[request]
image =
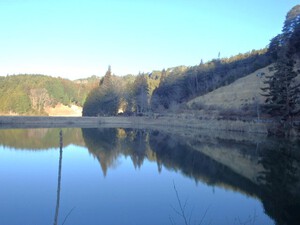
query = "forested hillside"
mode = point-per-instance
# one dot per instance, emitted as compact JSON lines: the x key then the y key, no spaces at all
{"x":170,"y":89}
{"x":27,"y":94}
{"x":177,"y":87}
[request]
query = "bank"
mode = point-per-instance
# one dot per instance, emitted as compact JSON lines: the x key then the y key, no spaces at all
{"x":154,"y":121}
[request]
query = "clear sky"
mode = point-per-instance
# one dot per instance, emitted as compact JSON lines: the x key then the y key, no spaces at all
{"x":78,"y":38}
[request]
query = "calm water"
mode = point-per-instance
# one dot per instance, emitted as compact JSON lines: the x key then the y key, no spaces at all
{"x":126,"y":176}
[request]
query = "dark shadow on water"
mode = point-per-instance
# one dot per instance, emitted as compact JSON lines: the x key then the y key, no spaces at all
{"x":266,"y":169}
{"x":280,"y":183}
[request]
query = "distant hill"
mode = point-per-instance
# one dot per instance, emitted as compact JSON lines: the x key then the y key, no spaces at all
{"x":28,"y":94}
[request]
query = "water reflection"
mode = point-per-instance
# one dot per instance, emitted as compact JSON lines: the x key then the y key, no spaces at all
{"x":39,"y":139}
{"x":280,"y":183}
{"x":264,"y":169}
{"x":268,"y":170}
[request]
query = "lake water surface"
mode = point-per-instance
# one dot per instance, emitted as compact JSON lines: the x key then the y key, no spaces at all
{"x":127,"y":176}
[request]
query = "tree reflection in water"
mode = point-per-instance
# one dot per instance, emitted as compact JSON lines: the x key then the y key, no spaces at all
{"x":280,"y":182}
{"x":268,"y":171}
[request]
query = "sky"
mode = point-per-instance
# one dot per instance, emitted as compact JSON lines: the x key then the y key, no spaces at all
{"x":79,"y":38}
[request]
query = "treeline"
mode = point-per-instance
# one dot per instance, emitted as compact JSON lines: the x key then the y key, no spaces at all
{"x":168,"y":89}
{"x":129,"y":94}
{"x":30,"y":94}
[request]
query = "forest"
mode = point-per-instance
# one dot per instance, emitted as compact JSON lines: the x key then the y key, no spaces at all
{"x":29,"y":94}
{"x":168,"y":89}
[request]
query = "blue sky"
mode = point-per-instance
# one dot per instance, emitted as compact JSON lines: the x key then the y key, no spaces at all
{"x":79,"y":38}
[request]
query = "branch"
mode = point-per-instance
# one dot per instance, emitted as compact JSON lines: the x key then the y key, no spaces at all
{"x":182,"y":212}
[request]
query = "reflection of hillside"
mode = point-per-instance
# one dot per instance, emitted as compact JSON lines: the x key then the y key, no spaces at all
{"x":39,"y":139}
{"x":174,"y":153}
{"x":267,"y":169}
{"x":270,"y":169}
{"x":108,"y":144}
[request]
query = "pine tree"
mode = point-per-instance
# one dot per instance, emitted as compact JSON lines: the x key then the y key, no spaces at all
{"x":105,"y":99}
{"x":141,"y":93}
{"x":282,"y":92}
{"x":107,"y":79}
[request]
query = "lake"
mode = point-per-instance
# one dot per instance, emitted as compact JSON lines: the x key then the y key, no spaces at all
{"x":129,"y":176}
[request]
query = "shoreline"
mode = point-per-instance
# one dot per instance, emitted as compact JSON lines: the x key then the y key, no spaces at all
{"x":178,"y":121}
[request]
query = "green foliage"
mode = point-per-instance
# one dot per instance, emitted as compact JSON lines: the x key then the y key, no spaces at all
{"x":141,"y":93}
{"x":128,"y":94}
{"x":104,"y":100}
{"x":282,"y":91}
{"x":101,"y":102}
{"x":21,"y":93}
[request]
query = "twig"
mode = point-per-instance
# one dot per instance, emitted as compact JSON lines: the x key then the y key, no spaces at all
{"x":68,"y":215}
{"x":203,"y":215}
{"x":171,"y":220}
{"x":182,"y":212}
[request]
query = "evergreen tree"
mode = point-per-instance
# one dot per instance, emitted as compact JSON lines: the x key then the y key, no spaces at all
{"x":105,"y":99}
{"x":106,"y":81}
{"x":282,"y":91}
{"x":141,"y":93}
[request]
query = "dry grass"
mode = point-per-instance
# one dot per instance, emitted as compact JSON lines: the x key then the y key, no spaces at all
{"x":63,"y":110}
{"x":241,"y":93}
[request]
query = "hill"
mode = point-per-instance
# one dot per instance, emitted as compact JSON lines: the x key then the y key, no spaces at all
{"x":28,"y":94}
{"x":168,"y":89}
{"x":243,"y":93}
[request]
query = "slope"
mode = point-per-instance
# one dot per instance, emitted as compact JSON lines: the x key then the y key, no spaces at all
{"x":244,"y":92}
{"x":39,"y":94}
